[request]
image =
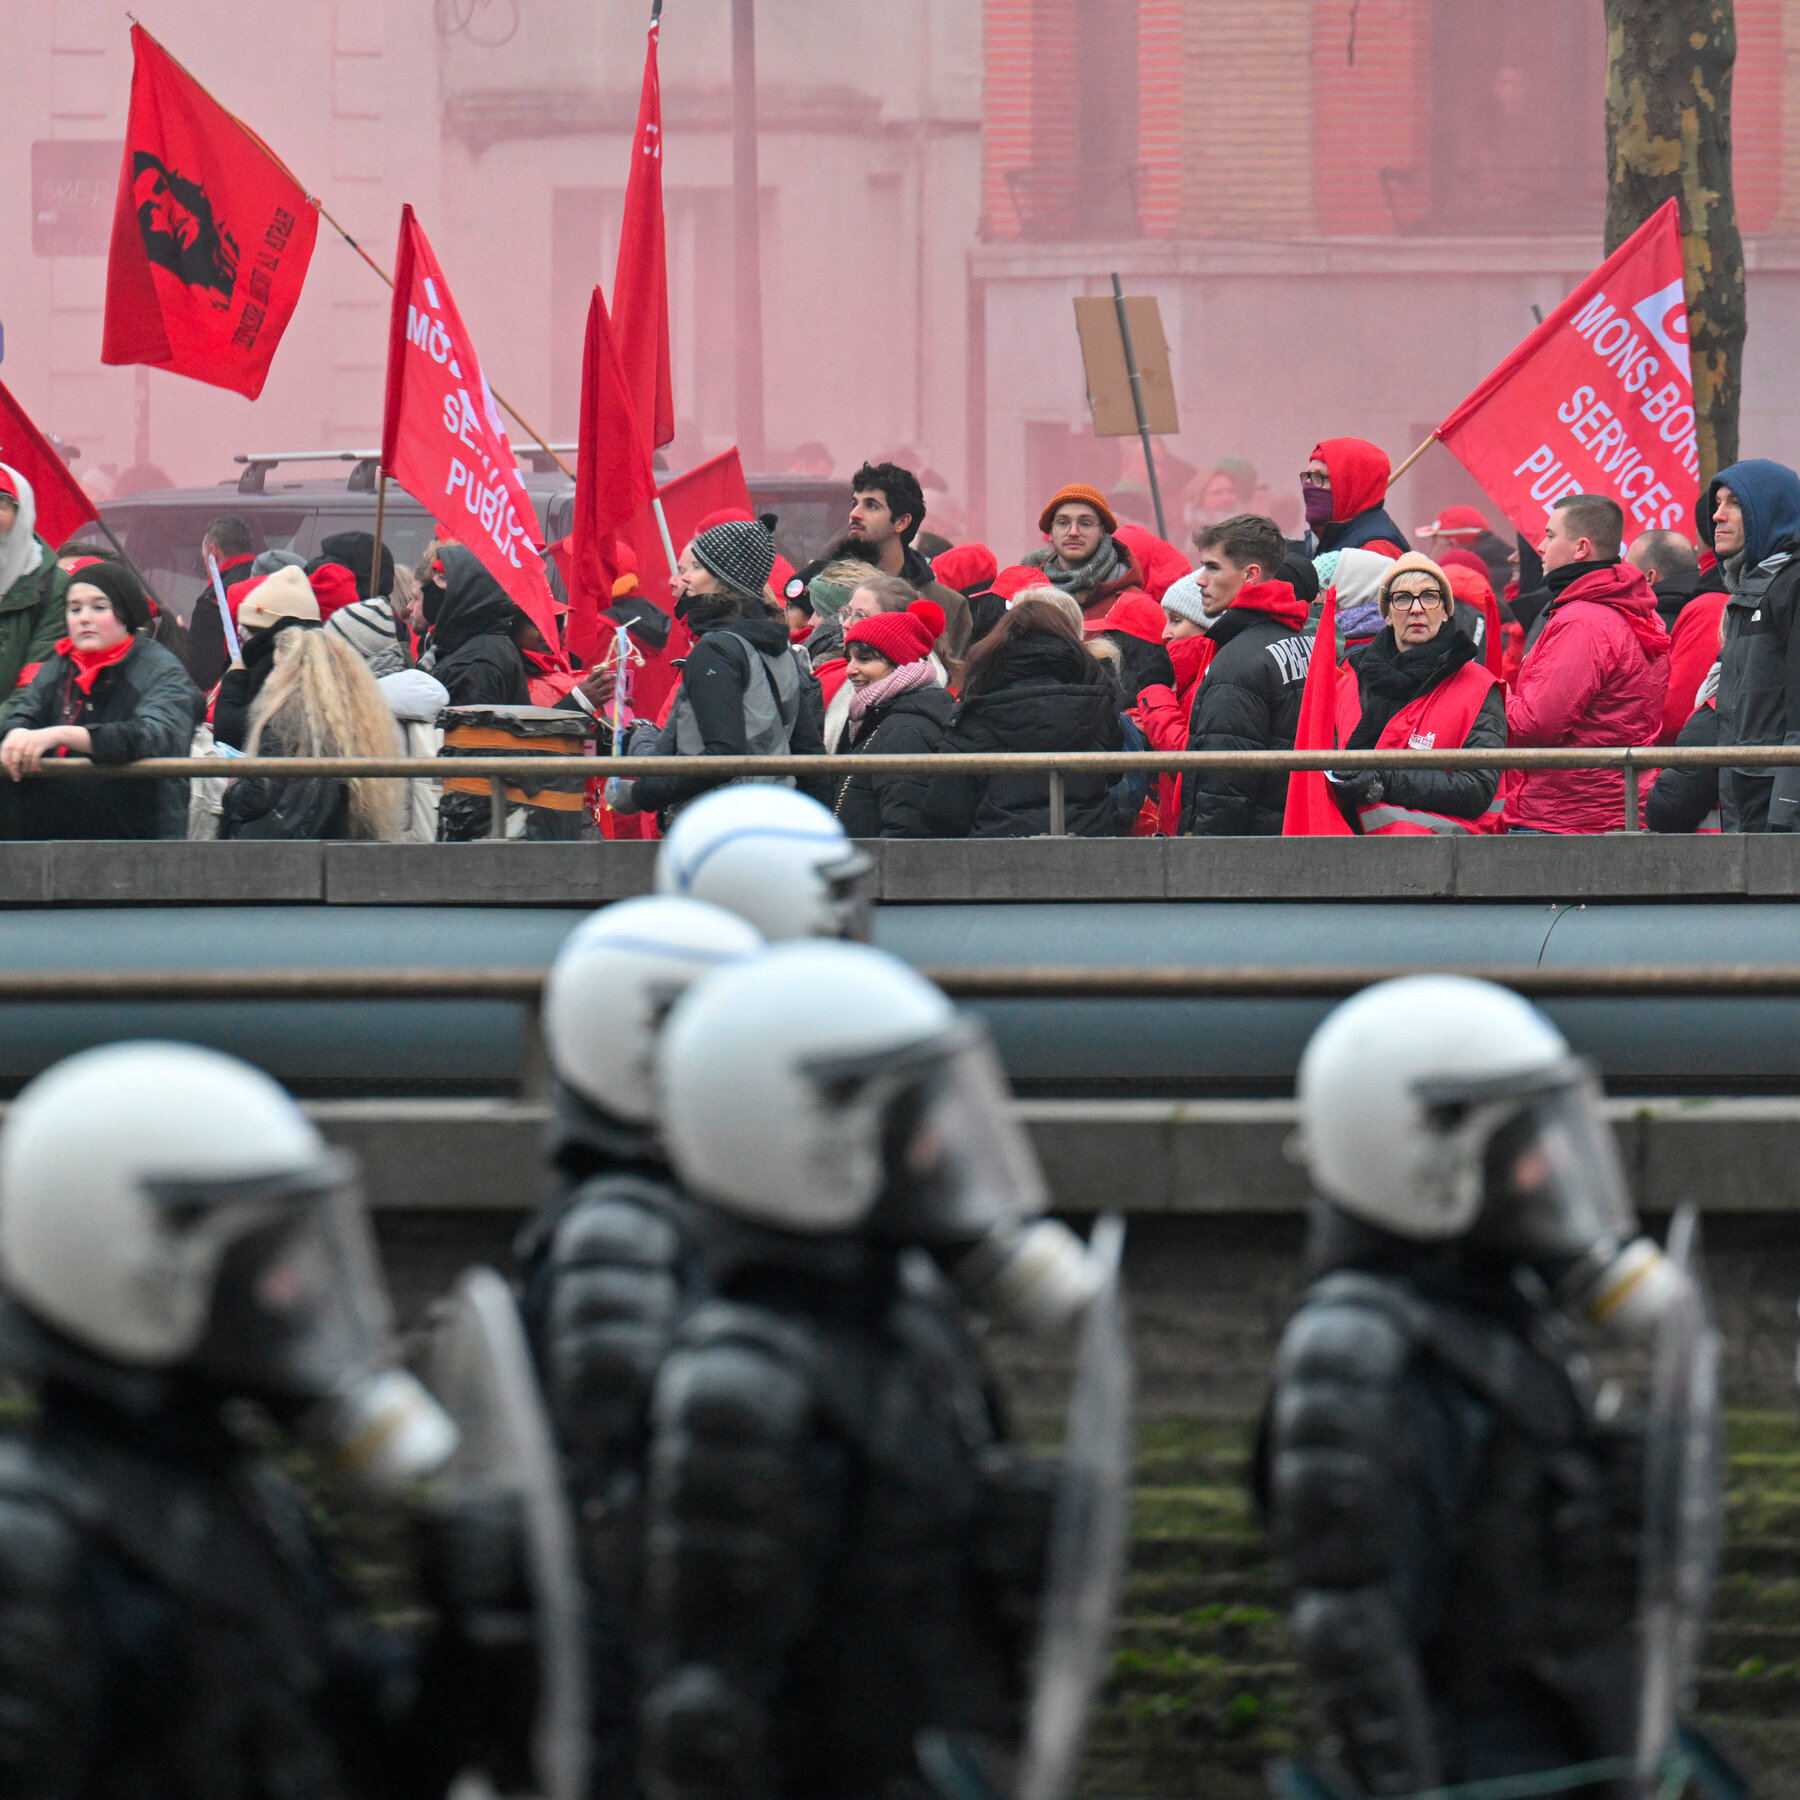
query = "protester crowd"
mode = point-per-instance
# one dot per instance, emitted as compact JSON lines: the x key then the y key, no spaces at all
{"x":1102,"y":637}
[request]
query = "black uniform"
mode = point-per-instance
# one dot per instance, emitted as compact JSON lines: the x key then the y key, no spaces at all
{"x":1460,"y":1528}
{"x":169,"y":1629}
{"x":796,"y":1499}
{"x":1249,"y":699}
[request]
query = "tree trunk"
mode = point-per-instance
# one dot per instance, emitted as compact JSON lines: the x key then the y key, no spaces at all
{"x":1668,"y":136}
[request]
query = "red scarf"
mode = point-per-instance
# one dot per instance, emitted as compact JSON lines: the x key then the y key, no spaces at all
{"x":89,"y":663}
{"x":544,"y":664}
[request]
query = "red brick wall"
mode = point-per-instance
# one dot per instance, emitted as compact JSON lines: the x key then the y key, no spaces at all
{"x":1756,"y":113}
{"x":1160,"y":83}
{"x":1028,"y":110}
{"x":1367,"y":114}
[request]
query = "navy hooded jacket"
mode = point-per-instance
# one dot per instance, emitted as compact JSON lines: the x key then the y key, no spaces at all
{"x":1759,"y":660}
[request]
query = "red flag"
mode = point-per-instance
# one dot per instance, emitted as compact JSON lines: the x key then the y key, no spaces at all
{"x":1598,"y":400}
{"x":716,"y":485}
{"x":63,"y":506}
{"x":447,"y":448}
{"x":640,"y":300}
{"x":613,"y":477}
{"x":1311,"y":811}
{"x":211,"y":235}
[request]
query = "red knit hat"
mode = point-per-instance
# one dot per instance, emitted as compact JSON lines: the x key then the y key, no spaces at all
{"x":901,"y":637}
{"x":334,"y":587}
{"x":1079,"y":494}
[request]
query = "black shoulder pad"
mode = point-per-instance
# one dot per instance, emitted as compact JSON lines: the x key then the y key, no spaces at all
{"x":616,"y":1219}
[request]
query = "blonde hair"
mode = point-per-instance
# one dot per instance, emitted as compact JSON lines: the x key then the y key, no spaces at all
{"x":321,"y":700}
{"x":406,"y":590}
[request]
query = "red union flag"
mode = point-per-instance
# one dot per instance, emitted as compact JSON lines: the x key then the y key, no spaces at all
{"x":1598,"y":400}
{"x":211,"y":235}
{"x":641,"y":277}
{"x":62,"y":503}
{"x":441,"y":436}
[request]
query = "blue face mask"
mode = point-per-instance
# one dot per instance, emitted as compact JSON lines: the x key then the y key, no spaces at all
{"x":1317,"y":501}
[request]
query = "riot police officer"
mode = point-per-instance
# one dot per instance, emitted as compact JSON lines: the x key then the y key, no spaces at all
{"x":842,"y":1548}
{"x":176,"y":1240}
{"x":773,"y":856}
{"x":606,"y":1269}
{"x":782,"y":862}
{"x":1459,"y":1519}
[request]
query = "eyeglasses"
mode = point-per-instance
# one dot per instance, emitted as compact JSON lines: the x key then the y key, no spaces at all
{"x":1417,"y":602}
{"x":1309,"y":479}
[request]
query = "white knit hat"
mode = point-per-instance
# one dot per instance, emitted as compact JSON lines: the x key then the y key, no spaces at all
{"x":1182,"y":598}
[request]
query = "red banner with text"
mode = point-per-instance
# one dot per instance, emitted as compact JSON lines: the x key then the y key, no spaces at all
{"x":1598,"y":400}
{"x":441,"y":436}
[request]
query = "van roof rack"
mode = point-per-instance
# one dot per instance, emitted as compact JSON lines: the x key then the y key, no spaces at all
{"x":258,"y":464}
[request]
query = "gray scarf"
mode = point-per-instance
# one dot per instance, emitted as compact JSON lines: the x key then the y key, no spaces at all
{"x":1109,"y":562}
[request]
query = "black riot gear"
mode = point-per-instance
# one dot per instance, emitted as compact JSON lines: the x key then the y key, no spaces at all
{"x":170,"y":1629}
{"x":1459,"y":1522}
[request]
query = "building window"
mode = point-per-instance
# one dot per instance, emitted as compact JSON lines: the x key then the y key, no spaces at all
{"x":1517,"y":94}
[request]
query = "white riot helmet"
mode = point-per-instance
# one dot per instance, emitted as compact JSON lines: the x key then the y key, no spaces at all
{"x":612,"y":985}
{"x":772,"y":856}
{"x":826,"y":1087}
{"x":168,"y":1207}
{"x":1437,"y":1107}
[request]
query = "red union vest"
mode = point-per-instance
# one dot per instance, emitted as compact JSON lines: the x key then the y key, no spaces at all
{"x":1438,"y":720}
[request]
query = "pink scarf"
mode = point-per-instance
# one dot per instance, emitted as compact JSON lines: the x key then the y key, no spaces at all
{"x":903,"y":680}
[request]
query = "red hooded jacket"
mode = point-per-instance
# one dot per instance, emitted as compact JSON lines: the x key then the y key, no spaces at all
{"x":1597,"y":674}
{"x":1163,"y":565}
{"x":1693,"y":649}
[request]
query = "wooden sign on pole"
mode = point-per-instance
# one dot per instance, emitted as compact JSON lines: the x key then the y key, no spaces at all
{"x":1109,"y":376}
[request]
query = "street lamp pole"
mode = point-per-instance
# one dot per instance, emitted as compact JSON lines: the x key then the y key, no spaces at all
{"x":746,"y":198}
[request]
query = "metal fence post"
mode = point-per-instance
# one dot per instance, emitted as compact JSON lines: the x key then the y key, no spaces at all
{"x":1633,"y":812}
{"x":496,"y":806}
{"x":1058,"y":819}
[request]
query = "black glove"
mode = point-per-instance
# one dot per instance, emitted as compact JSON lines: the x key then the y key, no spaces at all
{"x":485,"y":1654}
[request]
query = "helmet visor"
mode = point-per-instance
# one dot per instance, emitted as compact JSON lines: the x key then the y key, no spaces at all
{"x":1555,"y":1186}
{"x":299,"y":1309}
{"x":954,"y":1163}
{"x":849,"y":896}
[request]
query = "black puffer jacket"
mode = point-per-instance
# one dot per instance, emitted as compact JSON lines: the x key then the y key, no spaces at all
{"x":1142,"y":664}
{"x":477,"y":660}
{"x":893,"y":805}
{"x":1249,"y":699}
{"x":1044,"y":694}
{"x":318,"y":807}
{"x":1455,"y":793}
{"x":143,"y":705}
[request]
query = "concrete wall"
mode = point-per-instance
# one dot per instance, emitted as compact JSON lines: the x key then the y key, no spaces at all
{"x":1636,"y":866}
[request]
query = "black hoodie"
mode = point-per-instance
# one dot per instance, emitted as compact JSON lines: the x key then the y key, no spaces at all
{"x":477,"y":660}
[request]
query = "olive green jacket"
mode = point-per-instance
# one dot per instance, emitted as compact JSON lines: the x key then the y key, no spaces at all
{"x":32,"y":620}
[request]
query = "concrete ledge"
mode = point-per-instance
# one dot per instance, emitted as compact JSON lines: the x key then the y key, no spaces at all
{"x":1621,"y":866}
{"x":486,"y":874}
{"x":1224,"y":1158}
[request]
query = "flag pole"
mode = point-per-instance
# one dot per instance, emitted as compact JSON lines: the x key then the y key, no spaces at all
{"x":1412,"y":459}
{"x":523,"y":423}
{"x":380,"y":520}
{"x":662,"y":525}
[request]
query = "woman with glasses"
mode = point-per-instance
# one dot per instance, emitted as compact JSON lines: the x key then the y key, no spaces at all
{"x":1419,"y":684}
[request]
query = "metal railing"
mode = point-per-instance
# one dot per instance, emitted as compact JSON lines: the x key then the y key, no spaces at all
{"x":1300,"y":981}
{"x":1057,"y":765}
